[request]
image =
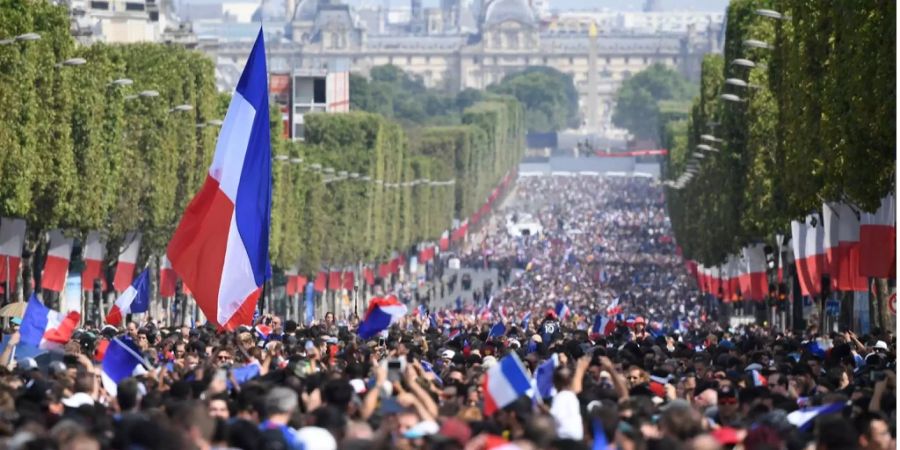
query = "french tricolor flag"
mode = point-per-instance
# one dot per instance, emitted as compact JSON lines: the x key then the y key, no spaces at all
{"x":878,"y":240}
{"x":758,"y":379}
{"x":562,"y":310}
{"x":167,"y":278}
{"x":122,"y":359}
{"x":842,"y":248}
{"x":603,"y":325}
{"x":128,"y":256}
{"x":45,"y":328}
{"x":12,"y":240}
{"x":382,"y":312}
{"x":754,"y":285}
{"x":56,"y":266}
{"x":808,"y":240}
{"x":94,"y":248}
{"x":135,"y":299}
{"x":505,"y":382}
{"x":221,"y":247}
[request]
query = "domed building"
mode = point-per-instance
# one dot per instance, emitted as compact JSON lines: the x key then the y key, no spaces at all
{"x":475,"y":43}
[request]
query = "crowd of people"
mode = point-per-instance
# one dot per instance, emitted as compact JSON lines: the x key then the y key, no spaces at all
{"x":663,"y":375}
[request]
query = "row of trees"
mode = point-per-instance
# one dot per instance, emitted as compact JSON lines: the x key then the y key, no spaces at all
{"x":84,"y":152}
{"x":644,"y":100}
{"x":815,"y":124}
{"x":81,"y":152}
{"x":405,"y":189}
{"x":548,"y":96}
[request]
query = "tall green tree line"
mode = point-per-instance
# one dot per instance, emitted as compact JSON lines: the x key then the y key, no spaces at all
{"x":816,"y":123}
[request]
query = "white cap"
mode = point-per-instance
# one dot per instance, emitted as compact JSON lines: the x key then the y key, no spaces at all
{"x":488,"y":362}
{"x":315,"y":438}
{"x":448,"y":354}
{"x":881,"y":345}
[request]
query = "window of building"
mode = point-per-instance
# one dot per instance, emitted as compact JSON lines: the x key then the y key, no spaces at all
{"x":319,"y":90}
{"x":100,"y":5}
{"x":408,"y":60}
{"x":571,"y":60}
{"x":476,"y":60}
{"x":645,"y":60}
{"x":626,"y":60}
{"x":134,"y":6}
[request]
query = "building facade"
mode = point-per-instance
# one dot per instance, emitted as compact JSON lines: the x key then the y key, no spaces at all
{"x":472,"y":44}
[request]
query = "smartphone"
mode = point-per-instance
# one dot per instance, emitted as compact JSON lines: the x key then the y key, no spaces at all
{"x":394,"y":366}
{"x":221,"y":374}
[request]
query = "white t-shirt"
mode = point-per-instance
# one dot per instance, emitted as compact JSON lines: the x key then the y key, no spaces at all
{"x":567,"y":411}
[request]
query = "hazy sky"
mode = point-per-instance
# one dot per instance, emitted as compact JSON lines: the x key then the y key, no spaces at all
{"x":615,"y":5}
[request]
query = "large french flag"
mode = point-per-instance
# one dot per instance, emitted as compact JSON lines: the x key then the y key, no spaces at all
{"x":562,"y":310}
{"x":94,"y":247}
{"x":135,"y":299}
{"x":12,"y":240}
{"x":45,"y":328}
{"x":505,"y":382}
{"x":808,"y":240}
{"x":603,"y":325}
{"x":56,"y":266}
{"x":842,"y":247}
{"x":221,"y":246}
{"x":754,"y":274}
{"x":128,"y":256}
{"x":878,"y":240}
{"x":382,"y":312}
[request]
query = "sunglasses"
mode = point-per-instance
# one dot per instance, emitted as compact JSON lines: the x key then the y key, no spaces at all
{"x":224,"y":357}
{"x":728,"y":401}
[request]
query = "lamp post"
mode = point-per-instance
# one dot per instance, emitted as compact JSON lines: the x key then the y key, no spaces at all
{"x":25,"y":37}
{"x":72,"y":62}
{"x":731,"y":98}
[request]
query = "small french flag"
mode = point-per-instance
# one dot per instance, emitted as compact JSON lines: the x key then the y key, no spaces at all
{"x":603,"y":325}
{"x":121,"y":360}
{"x":45,"y":328}
{"x":504,"y":383}
{"x":758,"y":379}
{"x":135,"y":299}
{"x":497,"y":330}
{"x":382,"y":312}
{"x":526,"y":320}
{"x":562,"y":310}
{"x":263,"y":331}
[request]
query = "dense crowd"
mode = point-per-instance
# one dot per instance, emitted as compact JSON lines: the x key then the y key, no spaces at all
{"x":663,"y":376}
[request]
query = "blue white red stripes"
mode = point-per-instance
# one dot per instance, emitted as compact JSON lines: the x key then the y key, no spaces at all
{"x":135,"y":299}
{"x":220,"y":248}
{"x":603,"y":325}
{"x":504,"y":382}
{"x":45,"y":328}
{"x":56,"y":266}
{"x":131,"y":246}
{"x":122,"y":359}
{"x":382,"y":312}
{"x":562,"y":310}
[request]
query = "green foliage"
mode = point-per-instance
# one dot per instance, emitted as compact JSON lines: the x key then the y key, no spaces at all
{"x":81,"y":153}
{"x":817,"y":127}
{"x":548,"y":96}
{"x":638,"y":100}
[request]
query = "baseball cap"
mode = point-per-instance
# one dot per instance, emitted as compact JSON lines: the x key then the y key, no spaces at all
{"x":448,"y":354}
{"x":881,"y":345}
{"x":726,"y":436}
{"x":26,"y":364}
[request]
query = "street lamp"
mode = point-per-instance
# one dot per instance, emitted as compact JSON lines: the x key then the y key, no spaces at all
{"x":753,"y":43}
{"x":72,"y":62}
{"x":710,"y":138}
{"x":698,"y":155}
{"x":354,"y":175}
{"x":744,"y":63}
{"x":182,"y":108}
{"x":740,"y":83}
{"x":315,"y":167}
{"x":328,"y":170}
{"x":281,"y":157}
{"x":342,"y":174}
{"x":27,"y":37}
{"x":122,"y":82}
{"x":366,"y":178}
{"x":215,"y":122}
{"x":772,"y":14}
{"x":296,"y":160}
{"x":731,"y":98}
{"x":707,"y":148}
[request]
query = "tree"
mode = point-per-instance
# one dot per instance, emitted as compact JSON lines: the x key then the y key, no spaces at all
{"x":548,"y":95}
{"x":637,"y":102}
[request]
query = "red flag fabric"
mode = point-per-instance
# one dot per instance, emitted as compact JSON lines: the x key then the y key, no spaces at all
{"x":369,"y":275}
{"x":349,"y":281}
{"x":94,"y":249}
{"x":290,"y":286}
{"x":384,"y":269}
{"x":56,"y":266}
{"x":808,"y":240}
{"x":334,"y":281}
{"x":167,"y":277}
{"x":12,"y":240}
{"x":127,"y":261}
{"x":878,"y":240}
{"x":321,"y":279}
